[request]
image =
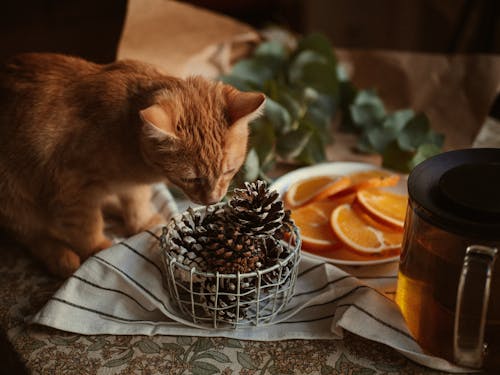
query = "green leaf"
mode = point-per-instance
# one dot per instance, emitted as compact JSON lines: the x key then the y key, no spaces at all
{"x":148,"y":346}
{"x":184,"y":340}
{"x":271,"y":48}
{"x":414,"y":133}
{"x":203,"y":368}
{"x":291,"y":144}
{"x":246,"y":361}
{"x":303,"y":59}
{"x":378,"y":138}
{"x":263,"y":140}
{"x":233,"y":343}
{"x":97,"y":345}
{"x":251,"y":167}
{"x":278,"y":116}
{"x":120,"y":361}
{"x":287,"y":98}
{"x":310,"y":69}
{"x":314,"y":151}
{"x":253,"y":71}
{"x":218,"y":356}
{"x":203,"y":343}
{"x":63,"y":341}
{"x":237,"y":82}
{"x":170,"y":346}
{"x":395,"y":158}
{"x":435,"y":138}
{"x":396,"y":121}
{"x":34,"y":344}
{"x":318,"y":43}
{"x":424,"y":152}
{"x":367,"y":109}
{"x":347,"y":94}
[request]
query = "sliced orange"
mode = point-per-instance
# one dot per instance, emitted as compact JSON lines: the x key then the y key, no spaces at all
{"x":386,"y":206}
{"x":313,"y":221}
{"x":373,"y":179}
{"x":345,"y":253}
{"x":359,"y":235}
{"x":367,"y":180}
{"x":314,"y":189}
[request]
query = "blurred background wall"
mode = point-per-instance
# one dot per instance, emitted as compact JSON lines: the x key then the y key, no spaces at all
{"x":91,"y":28}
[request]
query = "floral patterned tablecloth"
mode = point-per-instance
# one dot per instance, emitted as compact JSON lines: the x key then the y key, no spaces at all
{"x":25,"y":288}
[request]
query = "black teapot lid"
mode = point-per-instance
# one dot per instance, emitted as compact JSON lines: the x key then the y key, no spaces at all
{"x":459,"y":191}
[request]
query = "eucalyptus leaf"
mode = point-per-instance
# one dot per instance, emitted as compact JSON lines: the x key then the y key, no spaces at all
{"x":253,"y":71}
{"x":397,"y":121}
{"x":320,"y":119}
{"x":278,"y":116}
{"x":313,"y":152}
{"x":291,"y":144}
{"x":295,"y":70}
{"x":305,"y":88}
{"x":320,"y":44}
{"x":239,"y":83}
{"x":378,"y":138}
{"x":316,"y":74}
{"x":395,"y":158}
{"x":271,"y":48}
{"x":424,"y":152}
{"x":263,"y":139}
{"x":286,"y":97}
{"x":367,"y":109}
{"x":414,"y":133}
{"x":435,"y":138}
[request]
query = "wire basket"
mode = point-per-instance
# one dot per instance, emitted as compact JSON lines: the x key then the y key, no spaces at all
{"x":215,"y":300}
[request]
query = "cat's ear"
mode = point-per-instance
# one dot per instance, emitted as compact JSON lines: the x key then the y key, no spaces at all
{"x":158,"y":123}
{"x":248,"y":105}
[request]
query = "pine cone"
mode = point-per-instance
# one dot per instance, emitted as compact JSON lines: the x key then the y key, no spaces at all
{"x":256,"y":210}
{"x":240,"y":237}
{"x":188,"y":239}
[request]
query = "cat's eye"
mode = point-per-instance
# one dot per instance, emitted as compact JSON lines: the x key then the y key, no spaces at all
{"x":231,"y":171}
{"x":194,"y":180}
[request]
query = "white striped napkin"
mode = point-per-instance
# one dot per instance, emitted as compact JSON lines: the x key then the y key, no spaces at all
{"x":120,"y":291}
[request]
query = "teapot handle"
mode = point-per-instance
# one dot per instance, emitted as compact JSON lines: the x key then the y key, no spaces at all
{"x":473,"y":296}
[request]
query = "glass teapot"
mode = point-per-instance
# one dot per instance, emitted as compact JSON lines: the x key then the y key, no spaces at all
{"x":449,"y":279}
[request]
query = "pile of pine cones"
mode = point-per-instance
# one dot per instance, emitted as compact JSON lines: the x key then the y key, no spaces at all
{"x":251,"y":234}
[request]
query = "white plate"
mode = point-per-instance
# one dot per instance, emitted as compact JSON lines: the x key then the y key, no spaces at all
{"x":282,"y":184}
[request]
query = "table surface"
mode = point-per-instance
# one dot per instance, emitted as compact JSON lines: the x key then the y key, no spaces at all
{"x":25,"y":287}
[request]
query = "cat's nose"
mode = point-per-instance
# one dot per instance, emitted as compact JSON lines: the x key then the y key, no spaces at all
{"x":212,"y":198}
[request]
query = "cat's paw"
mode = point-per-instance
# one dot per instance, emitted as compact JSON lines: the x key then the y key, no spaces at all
{"x":64,"y":264}
{"x":137,"y":227}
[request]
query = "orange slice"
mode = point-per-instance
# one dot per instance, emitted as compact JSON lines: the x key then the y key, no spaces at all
{"x":359,"y":235}
{"x":388,"y":207}
{"x":313,"y":221}
{"x":373,"y":179}
{"x":368,"y":180}
{"x":314,"y":189}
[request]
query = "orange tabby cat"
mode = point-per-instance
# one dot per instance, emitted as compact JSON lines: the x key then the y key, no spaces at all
{"x":73,"y":132}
